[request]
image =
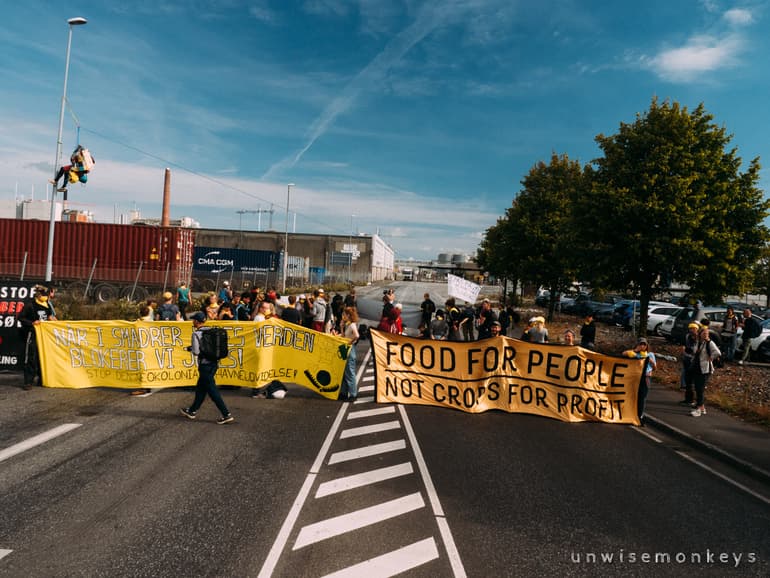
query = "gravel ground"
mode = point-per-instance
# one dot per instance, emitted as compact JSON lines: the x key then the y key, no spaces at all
{"x":742,"y":390}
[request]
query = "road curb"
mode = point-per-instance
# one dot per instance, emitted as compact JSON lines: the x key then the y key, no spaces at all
{"x":755,"y":471}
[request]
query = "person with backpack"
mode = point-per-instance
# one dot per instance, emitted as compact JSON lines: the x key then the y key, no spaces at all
{"x":207,"y":348}
{"x":168,"y":310}
{"x":81,"y":163}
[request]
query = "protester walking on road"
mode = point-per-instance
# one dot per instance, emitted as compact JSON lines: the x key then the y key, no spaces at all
{"x":703,"y":368}
{"x":34,"y":313}
{"x":207,"y":368}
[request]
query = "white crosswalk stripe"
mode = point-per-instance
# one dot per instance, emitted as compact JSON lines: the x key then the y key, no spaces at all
{"x":361,"y":457}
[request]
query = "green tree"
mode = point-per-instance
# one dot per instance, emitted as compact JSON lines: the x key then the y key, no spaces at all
{"x":536,"y":235}
{"x":669,"y":202}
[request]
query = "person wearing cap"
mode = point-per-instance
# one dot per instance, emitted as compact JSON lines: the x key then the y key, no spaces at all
{"x":686,"y":381}
{"x":495,"y":329}
{"x":642,"y":351}
{"x":33,"y":314}
{"x":538,"y":333}
{"x":207,"y":368}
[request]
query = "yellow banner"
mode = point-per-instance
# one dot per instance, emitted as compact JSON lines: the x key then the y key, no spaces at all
{"x":80,"y":354}
{"x":562,"y":382}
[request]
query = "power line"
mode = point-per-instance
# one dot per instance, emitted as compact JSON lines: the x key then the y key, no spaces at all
{"x":207,"y":178}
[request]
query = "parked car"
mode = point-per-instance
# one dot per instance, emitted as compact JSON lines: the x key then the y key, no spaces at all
{"x":657,"y":315}
{"x":760,"y":346}
{"x":762,"y":352}
{"x":584,"y":303}
{"x":674,"y":328}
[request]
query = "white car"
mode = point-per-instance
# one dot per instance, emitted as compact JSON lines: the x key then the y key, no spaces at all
{"x":657,"y":315}
{"x":757,"y":341}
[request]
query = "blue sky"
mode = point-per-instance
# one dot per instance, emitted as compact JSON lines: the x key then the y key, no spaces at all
{"x":414,"y":119}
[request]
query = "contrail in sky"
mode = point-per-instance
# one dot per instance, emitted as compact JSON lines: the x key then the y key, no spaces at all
{"x":428,"y":20}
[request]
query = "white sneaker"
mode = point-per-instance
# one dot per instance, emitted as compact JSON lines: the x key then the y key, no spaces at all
{"x":696,"y":412}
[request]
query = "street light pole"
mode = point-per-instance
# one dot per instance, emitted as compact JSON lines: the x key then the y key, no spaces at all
{"x":350,"y":255}
{"x":286,"y":237}
{"x":49,"y":259}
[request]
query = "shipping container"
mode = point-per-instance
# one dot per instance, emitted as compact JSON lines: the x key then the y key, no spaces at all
{"x":112,"y":260}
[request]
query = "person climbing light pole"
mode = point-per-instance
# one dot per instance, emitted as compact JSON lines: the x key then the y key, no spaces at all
{"x":49,"y":259}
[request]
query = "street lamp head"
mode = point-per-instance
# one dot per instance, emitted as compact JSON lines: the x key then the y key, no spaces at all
{"x":77,"y":21}
{"x":290,"y":185}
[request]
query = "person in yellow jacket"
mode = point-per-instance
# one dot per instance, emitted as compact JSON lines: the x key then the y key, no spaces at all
{"x":642,"y":351}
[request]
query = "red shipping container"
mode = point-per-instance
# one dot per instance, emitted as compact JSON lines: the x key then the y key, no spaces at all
{"x":159,"y":256}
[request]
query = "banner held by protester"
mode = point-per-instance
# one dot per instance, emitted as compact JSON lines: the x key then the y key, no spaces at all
{"x":125,"y":354}
{"x":566,"y":383}
{"x":462,"y":288}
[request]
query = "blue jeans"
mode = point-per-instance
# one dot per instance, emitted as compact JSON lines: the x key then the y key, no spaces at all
{"x":349,"y":385}
{"x":731,"y":341}
{"x":206,"y":385}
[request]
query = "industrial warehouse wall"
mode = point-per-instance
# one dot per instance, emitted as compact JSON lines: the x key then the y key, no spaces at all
{"x":313,"y":259}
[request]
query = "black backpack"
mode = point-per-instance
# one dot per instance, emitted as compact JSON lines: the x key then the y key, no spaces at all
{"x":167,"y":312}
{"x":213,"y":344}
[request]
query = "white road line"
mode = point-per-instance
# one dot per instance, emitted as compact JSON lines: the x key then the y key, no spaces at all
{"x":438,"y":511}
{"x":392,"y":563}
{"x":367,"y":451}
{"x":366,"y":430}
{"x":291,"y":518}
{"x":364,"y":400}
{"x":363,"y":479}
{"x":372,"y":412}
{"x":4,"y":553}
{"x":366,"y":388}
{"x":359,"y":519}
{"x":648,"y":434}
{"x":725,"y":478}
{"x":37,"y":440}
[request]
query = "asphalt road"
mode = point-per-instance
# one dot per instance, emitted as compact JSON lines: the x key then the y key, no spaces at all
{"x":309,"y":487}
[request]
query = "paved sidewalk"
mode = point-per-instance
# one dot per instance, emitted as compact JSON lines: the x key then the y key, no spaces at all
{"x":741,"y":444}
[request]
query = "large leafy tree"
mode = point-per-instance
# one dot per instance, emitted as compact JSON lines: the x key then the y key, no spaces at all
{"x":536,"y":235}
{"x":669,"y":202}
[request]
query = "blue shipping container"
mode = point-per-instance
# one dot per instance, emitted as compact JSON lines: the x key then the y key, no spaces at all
{"x":222,"y":260}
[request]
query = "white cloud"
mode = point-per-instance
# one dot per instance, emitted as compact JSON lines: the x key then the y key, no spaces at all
{"x":700,"y":55}
{"x":738,"y":17}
